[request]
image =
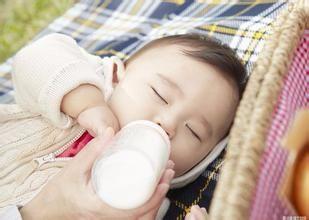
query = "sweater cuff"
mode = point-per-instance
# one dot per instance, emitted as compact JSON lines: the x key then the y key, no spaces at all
{"x":61,"y":83}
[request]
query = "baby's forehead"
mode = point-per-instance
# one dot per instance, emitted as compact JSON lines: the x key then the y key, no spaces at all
{"x":166,"y":48}
{"x":169,"y":58}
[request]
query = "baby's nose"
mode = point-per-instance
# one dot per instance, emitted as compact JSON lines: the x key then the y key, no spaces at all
{"x":169,"y":133}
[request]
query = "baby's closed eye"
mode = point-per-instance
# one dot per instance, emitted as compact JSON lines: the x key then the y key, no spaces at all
{"x":159,"y":95}
{"x":162,"y":99}
{"x":194,"y":133}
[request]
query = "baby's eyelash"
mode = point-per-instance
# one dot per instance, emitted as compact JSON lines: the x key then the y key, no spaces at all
{"x":193,"y":133}
{"x":155,"y":91}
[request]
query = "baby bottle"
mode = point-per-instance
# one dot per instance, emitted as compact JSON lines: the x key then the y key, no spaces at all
{"x":127,"y":173}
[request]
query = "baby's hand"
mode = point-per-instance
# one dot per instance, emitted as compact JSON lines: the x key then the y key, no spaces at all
{"x":97,"y":119}
{"x":197,"y":213}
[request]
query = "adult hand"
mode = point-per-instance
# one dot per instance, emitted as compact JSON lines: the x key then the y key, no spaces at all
{"x":70,"y":195}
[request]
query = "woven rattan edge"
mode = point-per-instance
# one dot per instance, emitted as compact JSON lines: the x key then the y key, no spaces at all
{"x":239,"y":173}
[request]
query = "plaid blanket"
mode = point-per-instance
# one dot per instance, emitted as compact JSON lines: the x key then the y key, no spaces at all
{"x":120,"y":27}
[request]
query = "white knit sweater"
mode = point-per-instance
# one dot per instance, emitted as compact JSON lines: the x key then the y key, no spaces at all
{"x":43,"y":73}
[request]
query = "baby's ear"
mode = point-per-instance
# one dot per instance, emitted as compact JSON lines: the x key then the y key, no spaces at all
{"x":118,"y":69}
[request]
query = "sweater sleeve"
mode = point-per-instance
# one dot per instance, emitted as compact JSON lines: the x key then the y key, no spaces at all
{"x":49,"y":68}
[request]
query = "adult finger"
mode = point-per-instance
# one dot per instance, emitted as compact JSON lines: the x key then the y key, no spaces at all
{"x":167,"y":176}
{"x":154,"y":201}
{"x":165,"y":179}
{"x":170,"y":164}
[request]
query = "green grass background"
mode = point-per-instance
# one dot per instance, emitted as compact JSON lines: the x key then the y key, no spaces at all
{"x":20,"y":20}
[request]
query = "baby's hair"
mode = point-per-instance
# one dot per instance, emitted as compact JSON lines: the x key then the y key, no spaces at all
{"x":205,"y":49}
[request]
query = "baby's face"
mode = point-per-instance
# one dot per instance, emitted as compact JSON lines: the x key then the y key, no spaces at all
{"x":190,"y":100}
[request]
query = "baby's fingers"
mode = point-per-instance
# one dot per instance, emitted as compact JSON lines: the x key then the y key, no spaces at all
{"x":197,"y":213}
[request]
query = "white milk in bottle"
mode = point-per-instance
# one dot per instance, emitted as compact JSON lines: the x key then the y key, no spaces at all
{"x":127,"y":173}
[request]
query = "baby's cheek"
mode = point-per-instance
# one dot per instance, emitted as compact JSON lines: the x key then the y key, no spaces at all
{"x":184,"y":158}
{"x":132,"y":105}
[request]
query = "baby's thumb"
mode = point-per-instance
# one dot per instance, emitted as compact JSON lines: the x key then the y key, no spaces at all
{"x":86,"y":157}
{"x":93,"y":126}
{"x":98,"y":130}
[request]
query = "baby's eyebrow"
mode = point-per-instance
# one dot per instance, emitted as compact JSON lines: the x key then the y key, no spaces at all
{"x":170,"y":83}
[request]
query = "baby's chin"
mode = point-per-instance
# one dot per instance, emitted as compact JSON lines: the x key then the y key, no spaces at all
{"x":178,"y":172}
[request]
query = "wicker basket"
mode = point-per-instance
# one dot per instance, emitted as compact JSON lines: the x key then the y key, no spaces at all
{"x":233,"y":196}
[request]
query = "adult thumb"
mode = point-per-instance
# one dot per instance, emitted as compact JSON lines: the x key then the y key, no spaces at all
{"x":86,"y":157}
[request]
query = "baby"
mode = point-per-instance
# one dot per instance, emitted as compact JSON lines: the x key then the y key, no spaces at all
{"x":188,"y":84}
